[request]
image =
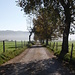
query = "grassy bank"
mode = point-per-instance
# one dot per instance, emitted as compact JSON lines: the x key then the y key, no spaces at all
{"x":10,"y":50}
{"x":10,"y":45}
{"x":57,"y":49}
{"x":10,"y":54}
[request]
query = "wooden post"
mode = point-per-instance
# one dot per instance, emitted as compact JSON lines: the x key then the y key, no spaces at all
{"x":57,"y":46}
{"x":3,"y":46}
{"x":21,"y":44}
{"x":53,"y":45}
{"x":15,"y":44}
{"x":71,"y":51}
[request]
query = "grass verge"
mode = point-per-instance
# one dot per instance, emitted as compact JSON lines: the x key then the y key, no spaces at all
{"x":4,"y":57}
{"x":67,"y":61}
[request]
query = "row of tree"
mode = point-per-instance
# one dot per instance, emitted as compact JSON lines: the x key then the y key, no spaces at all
{"x":52,"y":15}
{"x":46,"y":25}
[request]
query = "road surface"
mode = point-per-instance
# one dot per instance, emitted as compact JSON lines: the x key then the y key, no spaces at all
{"x":36,"y":60}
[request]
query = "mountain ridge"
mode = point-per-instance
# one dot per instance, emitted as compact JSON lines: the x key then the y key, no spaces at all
{"x":6,"y":32}
{"x":14,"y":35}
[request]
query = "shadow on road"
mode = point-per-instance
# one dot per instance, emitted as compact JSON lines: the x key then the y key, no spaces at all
{"x":41,"y":67}
{"x":37,"y":46}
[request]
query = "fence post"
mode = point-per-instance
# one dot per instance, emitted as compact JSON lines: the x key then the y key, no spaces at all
{"x":3,"y":46}
{"x":57,"y":46}
{"x":15,"y":44}
{"x":24,"y":43}
{"x":21,"y":44}
{"x":53,"y":45}
{"x":71,"y":51}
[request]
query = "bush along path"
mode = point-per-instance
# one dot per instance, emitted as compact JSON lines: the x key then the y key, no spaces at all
{"x":36,"y":60}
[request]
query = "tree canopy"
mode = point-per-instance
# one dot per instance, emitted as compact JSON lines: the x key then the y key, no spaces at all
{"x":47,"y":24}
{"x":65,"y":9}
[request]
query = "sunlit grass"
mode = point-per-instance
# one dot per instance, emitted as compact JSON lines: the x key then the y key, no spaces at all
{"x":10,"y":54}
{"x":57,"y":49}
{"x":10,"y":50}
{"x":10,"y":45}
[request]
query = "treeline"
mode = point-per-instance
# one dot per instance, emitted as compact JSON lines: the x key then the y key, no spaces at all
{"x":53,"y":19}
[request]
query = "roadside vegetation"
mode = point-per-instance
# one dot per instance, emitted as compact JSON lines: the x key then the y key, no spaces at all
{"x":4,"y":57}
{"x":57,"y":49}
{"x":54,"y":18}
{"x":10,"y":50}
{"x":11,"y":45}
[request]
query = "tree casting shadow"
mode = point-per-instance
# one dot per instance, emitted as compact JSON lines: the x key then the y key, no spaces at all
{"x":41,"y":67}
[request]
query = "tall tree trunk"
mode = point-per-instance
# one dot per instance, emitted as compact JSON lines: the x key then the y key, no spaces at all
{"x":66,"y":31}
{"x":30,"y":36}
{"x":43,"y":41}
{"x":47,"y":41}
{"x":65,"y":42}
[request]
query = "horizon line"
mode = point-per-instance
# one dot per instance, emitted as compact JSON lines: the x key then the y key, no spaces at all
{"x":15,"y":30}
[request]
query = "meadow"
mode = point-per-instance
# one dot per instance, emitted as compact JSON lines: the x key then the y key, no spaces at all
{"x":11,"y":50}
{"x":10,"y":45}
{"x":56,"y":47}
{"x":60,"y":45}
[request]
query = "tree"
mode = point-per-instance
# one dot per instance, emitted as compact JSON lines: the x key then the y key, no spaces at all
{"x":68,"y":12}
{"x":47,"y":24}
{"x":64,"y":8}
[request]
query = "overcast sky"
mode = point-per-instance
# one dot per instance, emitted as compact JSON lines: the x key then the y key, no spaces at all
{"x":11,"y":16}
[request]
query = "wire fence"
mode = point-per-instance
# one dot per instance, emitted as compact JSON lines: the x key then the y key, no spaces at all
{"x":57,"y":46}
{"x":11,"y":45}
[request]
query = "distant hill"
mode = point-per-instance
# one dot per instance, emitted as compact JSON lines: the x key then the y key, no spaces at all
{"x":12,"y":32}
{"x":14,"y":35}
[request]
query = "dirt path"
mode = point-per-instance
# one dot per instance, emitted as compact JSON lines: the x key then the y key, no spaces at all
{"x":34,"y":61}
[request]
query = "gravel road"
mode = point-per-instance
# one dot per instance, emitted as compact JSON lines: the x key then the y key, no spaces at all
{"x":36,"y":60}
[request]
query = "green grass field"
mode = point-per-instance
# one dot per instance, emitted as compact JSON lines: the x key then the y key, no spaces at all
{"x":60,"y":45}
{"x":57,"y":50}
{"x":10,"y":50}
{"x":10,"y":45}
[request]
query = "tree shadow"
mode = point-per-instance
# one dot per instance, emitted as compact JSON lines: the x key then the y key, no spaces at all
{"x":41,"y":67}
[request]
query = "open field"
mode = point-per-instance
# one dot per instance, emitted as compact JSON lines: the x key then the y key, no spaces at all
{"x":10,"y":45}
{"x":60,"y":45}
{"x":57,"y":49}
{"x":11,"y":50}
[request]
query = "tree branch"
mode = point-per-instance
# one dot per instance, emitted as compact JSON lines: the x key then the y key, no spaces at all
{"x":62,"y":3}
